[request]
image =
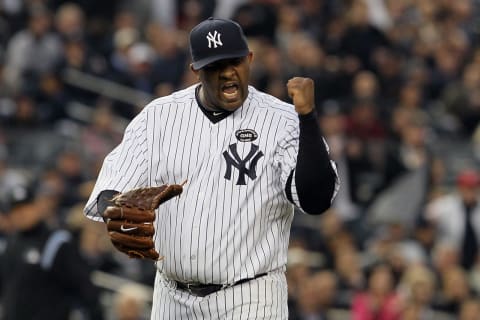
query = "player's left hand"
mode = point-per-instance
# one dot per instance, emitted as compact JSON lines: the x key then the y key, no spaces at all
{"x":130,"y":219}
{"x":301,"y":90}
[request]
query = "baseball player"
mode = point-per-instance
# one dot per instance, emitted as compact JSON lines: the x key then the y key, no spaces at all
{"x":247,"y":158}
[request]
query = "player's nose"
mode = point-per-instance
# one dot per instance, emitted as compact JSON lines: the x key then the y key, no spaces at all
{"x":227,"y":71}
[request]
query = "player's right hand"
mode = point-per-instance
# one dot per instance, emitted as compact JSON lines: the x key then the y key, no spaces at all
{"x":301,"y":90}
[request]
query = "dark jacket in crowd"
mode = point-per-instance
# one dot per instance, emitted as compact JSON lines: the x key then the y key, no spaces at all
{"x":43,"y":276}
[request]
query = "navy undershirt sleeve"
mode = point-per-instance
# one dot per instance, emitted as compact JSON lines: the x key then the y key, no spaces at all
{"x":315,"y":177}
{"x":104,"y":200}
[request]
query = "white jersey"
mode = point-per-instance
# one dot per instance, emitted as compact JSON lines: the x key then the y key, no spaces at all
{"x":233,"y":219}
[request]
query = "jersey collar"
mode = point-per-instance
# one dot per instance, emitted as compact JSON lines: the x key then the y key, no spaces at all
{"x":213,"y":116}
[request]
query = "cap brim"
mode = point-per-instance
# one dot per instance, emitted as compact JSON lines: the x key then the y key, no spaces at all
{"x":197,"y":65}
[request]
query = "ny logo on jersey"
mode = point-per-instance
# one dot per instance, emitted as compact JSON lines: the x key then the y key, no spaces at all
{"x":233,"y":160}
{"x":214,"y":39}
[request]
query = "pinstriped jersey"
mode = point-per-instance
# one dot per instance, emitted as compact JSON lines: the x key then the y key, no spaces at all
{"x":233,"y":219}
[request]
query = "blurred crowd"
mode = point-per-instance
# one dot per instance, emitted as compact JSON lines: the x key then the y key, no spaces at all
{"x":398,"y":99}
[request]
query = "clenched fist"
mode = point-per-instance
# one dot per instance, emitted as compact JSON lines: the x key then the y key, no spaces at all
{"x":301,"y":90}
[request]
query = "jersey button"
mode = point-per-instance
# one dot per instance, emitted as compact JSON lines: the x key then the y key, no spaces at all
{"x":193,"y":257}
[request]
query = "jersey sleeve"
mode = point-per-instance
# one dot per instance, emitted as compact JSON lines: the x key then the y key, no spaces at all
{"x":309,"y":176}
{"x":286,"y":157}
{"x":125,"y":167}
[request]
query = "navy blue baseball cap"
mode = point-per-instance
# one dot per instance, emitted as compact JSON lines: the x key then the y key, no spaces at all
{"x":216,"y":39}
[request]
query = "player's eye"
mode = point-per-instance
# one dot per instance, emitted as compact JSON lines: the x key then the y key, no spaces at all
{"x":219,"y":65}
{"x":211,"y":67}
{"x":236,"y":61}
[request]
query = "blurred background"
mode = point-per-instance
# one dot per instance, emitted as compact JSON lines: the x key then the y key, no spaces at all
{"x":398,"y":99}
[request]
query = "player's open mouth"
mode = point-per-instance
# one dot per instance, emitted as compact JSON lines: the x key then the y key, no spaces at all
{"x":230,"y":91}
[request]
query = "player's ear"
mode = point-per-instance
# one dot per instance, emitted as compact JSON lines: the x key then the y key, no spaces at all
{"x":194,"y":71}
{"x":250,"y":57}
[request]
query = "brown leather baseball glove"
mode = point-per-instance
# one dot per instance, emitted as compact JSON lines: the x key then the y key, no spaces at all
{"x":130,"y":219}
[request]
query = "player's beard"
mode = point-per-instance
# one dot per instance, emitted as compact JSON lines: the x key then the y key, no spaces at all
{"x":231,"y":95}
{"x":225,"y":97}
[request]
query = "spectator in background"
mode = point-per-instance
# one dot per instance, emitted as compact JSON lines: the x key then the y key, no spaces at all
{"x":100,"y":135}
{"x":454,"y":290}
{"x":305,"y":55}
{"x":192,"y":12}
{"x":70,"y":21}
{"x":289,"y":25}
{"x":315,"y":16}
{"x":410,"y":96}
{"x":411,"y":152}
{"x":365,"y":87}
{"x":94,"y":245}
{"x":170,"y":47}
{"x":350,"y":275}
{"x":424,"y":235}
{"x":407,"y":178}
{"x":78,"y":58}
{"x":298,"y":270}
{"x":366,"y":133}
{"x":25,"y":113}
{"x":461,"y":99}
{"x":51,"y":98}
{"x":40,"y":265}
{"x":363,"y":122}
{"x":390,"y":243}
{"x":70,"y":165}
{"x":469,"y":309}
{"x":316,"y":297}
{"x":457,"y":218}
{"x":378,"y":300}
{"x":225,"y":9}
{"x":9,"y":177}
{"x":355,"y":168}
{"x":258,"y":19}
{"x":140,"y":59}
{"x":33,"y":50}
{"x":449,"y":53}
{"x":361,"y":38}
{"x":130,"y":303}
{"x":122,"y":40}
{"x":100,"y":16}
{"x":268,"y":71}
{"x":417,"y":288}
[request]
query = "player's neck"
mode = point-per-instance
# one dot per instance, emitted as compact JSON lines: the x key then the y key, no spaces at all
{"x":203,"y":101}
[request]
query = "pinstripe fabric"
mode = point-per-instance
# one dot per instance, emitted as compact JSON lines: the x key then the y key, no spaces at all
{"x":226,"y":225}
{"x":262,"y":298}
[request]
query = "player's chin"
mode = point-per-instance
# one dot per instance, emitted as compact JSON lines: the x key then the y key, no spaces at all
{"x":231,"y":103}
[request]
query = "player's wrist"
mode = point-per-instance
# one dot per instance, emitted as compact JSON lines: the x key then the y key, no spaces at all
{"x":310,"y":115}
{"x":304,"y":111}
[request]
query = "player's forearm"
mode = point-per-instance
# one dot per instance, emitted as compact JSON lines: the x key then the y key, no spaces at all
{"x":315,"y":177}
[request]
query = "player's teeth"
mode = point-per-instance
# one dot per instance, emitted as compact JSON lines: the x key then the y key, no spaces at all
{"x":230,"y":90}
{"x":230,"y":95}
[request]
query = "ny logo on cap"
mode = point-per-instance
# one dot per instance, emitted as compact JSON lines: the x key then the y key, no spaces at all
{"x":214,"y":39}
